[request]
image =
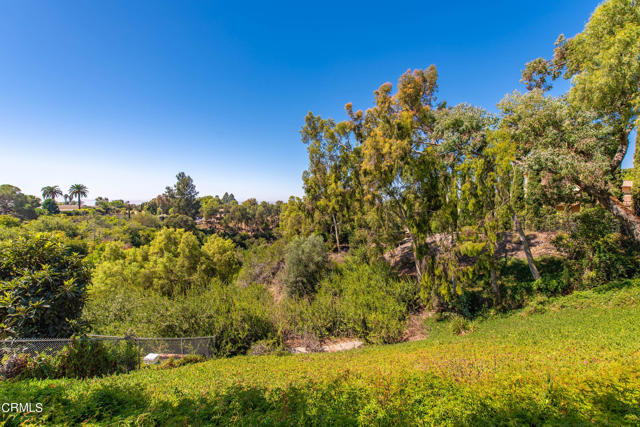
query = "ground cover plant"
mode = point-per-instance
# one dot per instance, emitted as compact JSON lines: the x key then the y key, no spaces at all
{"x":576,"y":363}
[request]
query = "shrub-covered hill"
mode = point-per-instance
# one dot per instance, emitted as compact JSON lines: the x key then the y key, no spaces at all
{"x":572,"y":360}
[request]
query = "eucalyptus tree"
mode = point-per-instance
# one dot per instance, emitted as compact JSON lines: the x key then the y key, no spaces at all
{"x":79,"y":191}
{"x":402,"y":172}
{"x":474,"y":216}
{"x":331,"y":179}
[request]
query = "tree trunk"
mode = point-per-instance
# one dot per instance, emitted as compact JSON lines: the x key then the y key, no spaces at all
{"x":494,"y":283}
{"x":335,"y":228}
{"x":525,"y":246}
{"x":629,"y":220}
{"x":78,"y":201}
{"x":414,"y":248}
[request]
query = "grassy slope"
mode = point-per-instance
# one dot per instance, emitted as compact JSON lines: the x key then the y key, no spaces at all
{"x":578,"y":362}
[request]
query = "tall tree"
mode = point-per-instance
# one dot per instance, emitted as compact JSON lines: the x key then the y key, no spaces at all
{"x":401,"y":169}
{"x":51,"y":192}
{"x":79,"y":191}
{"x":603,"y":63}
{"x":183,"y":196}
{"x":329,"y":180}
{"x":14,"y":202}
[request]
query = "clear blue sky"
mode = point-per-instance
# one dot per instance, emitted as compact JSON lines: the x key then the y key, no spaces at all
{"x":122,"y":95}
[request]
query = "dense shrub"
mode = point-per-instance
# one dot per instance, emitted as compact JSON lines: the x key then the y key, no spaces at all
{"x":304,"y":261}
{"x":146,"y":219}
{"x":81,"y":358}
{"x":596,"y":250}
{"x":460,"y":325}
{"x":9,"y":221}
{"x":181,"y":222}
{"x":172,"y":264}
{"x":235,"y":316}
{"x":221,"y":259}
{"x":48,"y":223}
{"x":357,"y":300}
{"x":262,"y":263}
{"x":183,"y":361}
{"x":50,"y":206}
{"x":42,"y":287}
{"x":13,"y":365}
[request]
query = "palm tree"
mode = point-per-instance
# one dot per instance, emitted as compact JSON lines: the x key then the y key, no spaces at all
{"x":51,"y":192}
{"x":78,"y":190}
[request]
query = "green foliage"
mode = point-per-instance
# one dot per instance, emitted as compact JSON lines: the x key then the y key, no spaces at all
{"x":235,"y":316}
{"x":51,"y":192}
{"x":147,"y":219}
{"x":186,"y":360}
{"x":183,"y":197}
{"x":180,"y":221}
{"x":42,"y":287}
{"x":221,"y":259}
{"x":553,"y":368}
{"x":304,"y":261}
{"x":171,"y":264}
{"x":13,"y":202}
{"x":210,"y":206}
{"x":295,"y":219}
{"x":50,"y":206}
{"x":596,"y":250}
{"x":460,"y":325}
{"x":82,"y":358}
{"x":78,"y":191}
{"x":262,"y":263}
{"x":9,"y":221}
{"x":357,"y":300}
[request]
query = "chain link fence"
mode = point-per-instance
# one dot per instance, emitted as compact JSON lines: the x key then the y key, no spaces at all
{"x":176,"y":347}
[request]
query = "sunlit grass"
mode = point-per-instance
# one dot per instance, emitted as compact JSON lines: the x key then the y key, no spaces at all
{"x":576,"y":362}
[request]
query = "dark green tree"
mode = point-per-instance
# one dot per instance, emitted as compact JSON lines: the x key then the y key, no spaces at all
{"x":13,"y":202}
{"x":305,"y":260}
{"x":50,"y":206}
{"x":42,"y":287}
{"x":183,"y":196}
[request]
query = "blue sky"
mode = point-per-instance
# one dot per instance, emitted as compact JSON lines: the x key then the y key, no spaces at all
{"x":122,"y":95}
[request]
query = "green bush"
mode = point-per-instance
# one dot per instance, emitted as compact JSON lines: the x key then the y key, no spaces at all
{"x":50,"y":206}
{"x":183,"y":361}
{"x":84,"y":358}
{"x":304,"y":261}
{"x":81,"y":358}
{"x":460,"y":325}
{"x":235,"y":316}
{"x":261,"y":263}
{"x":596,"y":250}
{"x":221,"y":260}
{"x":42,"y":287}
{"x":360,"y":300}
{"x":9,"y":221}
{"x":179,"y":221}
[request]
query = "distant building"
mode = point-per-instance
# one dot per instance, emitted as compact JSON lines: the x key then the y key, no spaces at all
{"x":627,"y":198}
{"x":67,"y":208}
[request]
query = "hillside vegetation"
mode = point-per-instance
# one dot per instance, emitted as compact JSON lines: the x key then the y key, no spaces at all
{"x":568,"y":360}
